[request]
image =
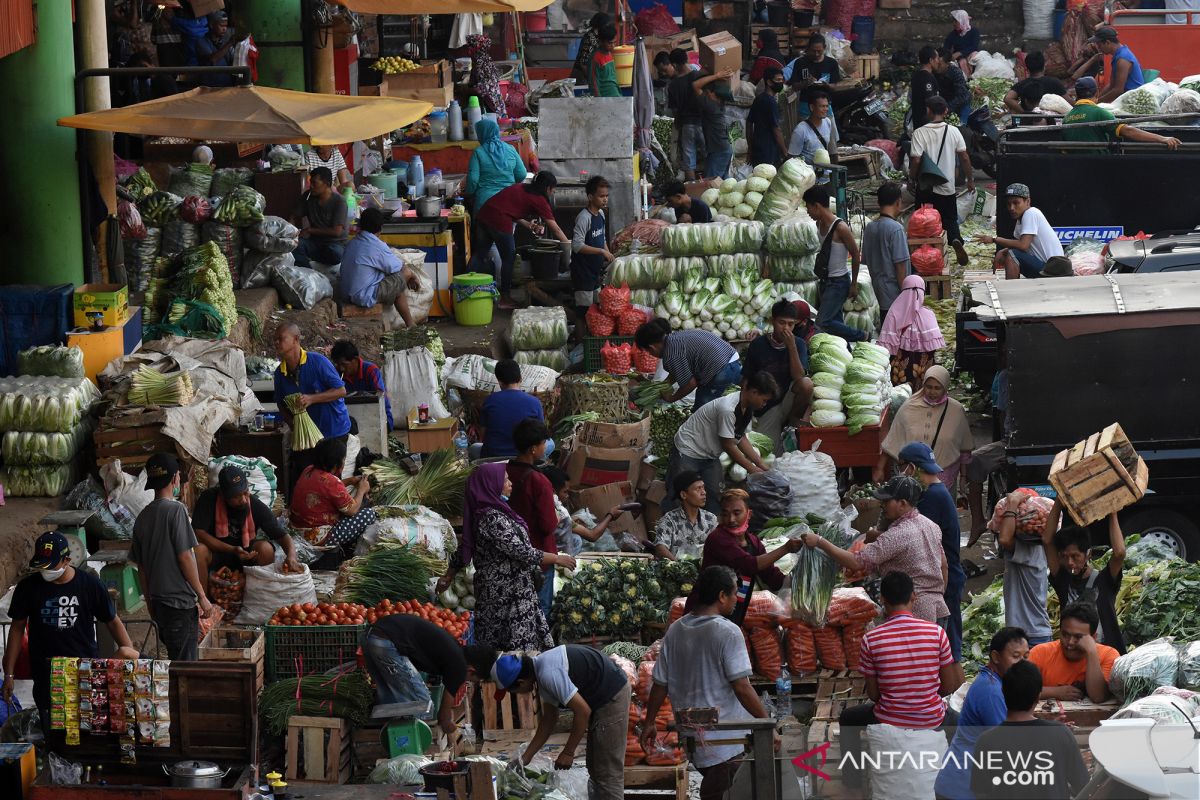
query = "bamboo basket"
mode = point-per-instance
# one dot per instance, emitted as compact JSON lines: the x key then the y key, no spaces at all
{"x":608,"y":398}
{"x":473,"y":400}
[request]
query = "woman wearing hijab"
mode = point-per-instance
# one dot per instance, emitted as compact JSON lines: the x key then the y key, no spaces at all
{"x":769,"y":55}
{"x":507,"y":613}
{"x":963,"y":40}
{"x":911,"y":334}
{"x":495,"y":165}
{"x":932,"y":417}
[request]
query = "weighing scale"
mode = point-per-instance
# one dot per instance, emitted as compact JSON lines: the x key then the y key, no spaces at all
{"x":762,"y":778}
{"x":71,"y":524}
{"x":403,"y":733}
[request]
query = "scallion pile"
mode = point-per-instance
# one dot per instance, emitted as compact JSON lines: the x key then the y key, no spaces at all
{"x":305,"y":433}
{"x":814,"y":577}
{"x":440,"y":484}
{"x":149,"y":387}
{"x":388,"y":573}
{"x":649,"y":394}
{"x":348,"y":695}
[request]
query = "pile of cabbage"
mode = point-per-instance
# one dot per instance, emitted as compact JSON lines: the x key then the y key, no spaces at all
{"x":47,"y":404}
{"x":792,"y":246}
{"x":731,"y":305}
{"x":539,"y":336}
{"x":712,"y":238}
{"x":788,"y":185}
{"x":46,"y":423}
{"x":852,"y":386}
{"x":862,"y":312}
{"x":739,"y":199}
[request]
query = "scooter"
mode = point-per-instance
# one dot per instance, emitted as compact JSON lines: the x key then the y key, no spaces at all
{"x":982,"y":138}
{"x":860,"y":114}
{"x":1145,"y":759}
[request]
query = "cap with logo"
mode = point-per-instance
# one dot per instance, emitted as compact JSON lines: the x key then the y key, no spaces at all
{"x":160,"y":471}
{"x":1017,"y":190}
{"x":901,"y":488}
{"x":49,"y":549}
{"x":921,"y":455}
{"x":233,"y":482}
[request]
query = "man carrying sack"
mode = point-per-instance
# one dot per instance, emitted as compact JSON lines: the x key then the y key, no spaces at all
{"x":937,"y":150}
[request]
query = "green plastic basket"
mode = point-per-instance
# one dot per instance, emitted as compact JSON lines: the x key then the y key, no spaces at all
{"x":297,"y":650}
{"x":591,"y":350}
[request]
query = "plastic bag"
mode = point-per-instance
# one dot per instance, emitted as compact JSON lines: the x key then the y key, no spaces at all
{"x":1031,"y":513}
{"x":538,"y":328}
{"x":928,"y":260}
{"x":269,"y":588}
{"x":51,"y":360}
{"x":226,"y":179}
{"x":64,"y":772}
{"x":925,"y":223}
{"x":273,"y":235}
{"x":770,"y":496}
{"x":813,"y":478}
{"x":614,"y":300}
{"x":259,"y":268}
{"x":301,"y":287}
{"x":1139,"y":673}
{"x":1157,"y":707}
{"x":655,"y":20}
{"x":408,"y":525}
{"x":403,"y":770}
{"x":617,"y":358}
{"x":130,"y":220}
{"x":89,"y":495}
{"x":558,"y":358}
{"x":599,"y":323}
{"x":800,"y":647}
{"x":1189,"y":666}
{"x":411,"y":378}
{"x":194,"y":179}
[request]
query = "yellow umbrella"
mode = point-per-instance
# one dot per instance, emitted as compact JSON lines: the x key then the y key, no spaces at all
{"x":447,"y":7}
{"x":257,"y":114}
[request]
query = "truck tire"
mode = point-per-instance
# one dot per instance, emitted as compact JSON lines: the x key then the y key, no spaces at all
{"x":1171,"y":528}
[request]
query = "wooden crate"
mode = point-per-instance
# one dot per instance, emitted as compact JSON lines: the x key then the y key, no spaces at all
{"x":1099,"y":475}
{"x":643,"y":782}
{"x":224,"y":643}
{"x":368,"y":748}
{"x":133,"y":446}
{"x":860,"y":165}
{"x":937,"y":287}
{"x":867,"y":66}
{"x":513,"y":712}
{"x":318,"y":749}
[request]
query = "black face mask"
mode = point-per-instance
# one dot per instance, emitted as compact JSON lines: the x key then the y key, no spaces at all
{"x":775,"y":87}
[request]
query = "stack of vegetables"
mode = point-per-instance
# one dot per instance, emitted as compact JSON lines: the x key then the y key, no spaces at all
{"x":665,"y":420}
{"x":787,"y":187}
{"x":199,"y":301}
{"x":739,"y":199}
{"x":712,"y":238}
{"x":51,"y":361}
{"x":862,"y":311}
{"x":766,"y":451}
{"x":417,"y":336}
{"x":732,"y":306}
{"x":539,"y":336}
{"x":349,"y":696}
{"x":868,"y":387}
{"x":390,"y":572}
{"x":439,"y":485}
{"x":45,"y":421}
{"x":792,"y":246}
{"x":149,"y":387}
{"x":828,"y":358}
{"x":838,"y":643}
{"x":461,"y":594}
{"x":617,"y":596}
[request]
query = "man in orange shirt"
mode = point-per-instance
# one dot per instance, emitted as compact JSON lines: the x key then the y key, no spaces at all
{"x":1075,"y":664}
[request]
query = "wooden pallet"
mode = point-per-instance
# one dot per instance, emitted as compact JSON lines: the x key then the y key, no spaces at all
{"x":867,"y":66}
{"x":1082,"y":716}
{"x":938,"y":287}
{"x":133,"y":446}
{"x":513,"y":712}
{"x":643,"y":782}
{"x":318,"y":749}
{"x":1100,"y":475}
{"x":860,"y":166}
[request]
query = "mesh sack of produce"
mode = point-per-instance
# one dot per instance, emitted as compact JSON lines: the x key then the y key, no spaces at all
{"x":32,"y":448}
{"x":226,"y":179}
{"x":227,"y":588}
{"x":767,"y":651}
{"x":599,"y":323}
{"x":258,"y":268}
{"x":1189,"y":666}
{"x":617,"y":358}
{"x":130,"y":220}
{"x":851,"y":606}
{"x":300,"y":287}
{"x":195,"y":209}
{"x":928,"y":260}
{"x":1185,"y":698}
{"x":630,"y":320}
{"x":140,"y":184}
{"x":1140,"y":102}
{"x":637,"y":272}
{"x":272,"y":235}
{"x":1031,"y":514}
{"x":614,"y":300}
{"x":792,"y":268}
{"x":228,"y":239}
{"x":800,"y":646}
{"x":925,"y":223}
{"x":139,"y":258}
{"x":241,"y":207}
{"x":160,"y":207}
{"x":1137,"y":674}
{"x":852,"y":636}
{"x":194,"y":179}
{"x":794,"y":235}
{"x":35,"y":481}
{"x":51,"y":361}
{"x":558,"y":358}
{"x":1183,"y":101}
{"x":178,"y":235}
{"x":830,"y":650}
{"x":644,"y":361}
{"x":538,"y":328}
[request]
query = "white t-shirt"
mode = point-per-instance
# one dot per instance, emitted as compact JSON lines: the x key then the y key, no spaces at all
{"x":1045,"y":243}
{"x":701,"y":657}
{"x":336,"y":162}
{"x":700,"y":436}
{"x":553,"y":676}
{"x":927,"y":141}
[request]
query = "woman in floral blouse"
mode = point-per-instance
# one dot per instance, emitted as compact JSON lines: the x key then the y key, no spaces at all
{"x":682,"y":530}
{"x":335,"y":512}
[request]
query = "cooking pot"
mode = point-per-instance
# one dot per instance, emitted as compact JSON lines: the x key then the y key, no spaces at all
{"x":193,"y":774}
{"x":429,"y":206}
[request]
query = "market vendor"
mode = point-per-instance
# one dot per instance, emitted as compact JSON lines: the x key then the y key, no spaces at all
{"x":732,"y":545}
{"x":331,"y":158}
{"x":686,"y":207}
{"x":1085,"y":110}
{"x":719,"y":427}
{"x":58,"y":606}
{"x":360,"y":375}
{"x":1127,"y":70}
{"x":371,"y":273}
{"x":695,"y":361}
{"x":228,"y":519}
{"x":1026,"y":94}
{"x":1075,"y":579}
{"x":323,"y":222}
{"x":909,"y":543}
{"x":811,"y":71}
{"x":784,"y":355}
{"x":588,"y":683}
{"x":400,"y":647}
{"x":1034,"y":242}
{"x":818,"y":131}
{"x":532,"y":497}
{"x":681,"y":531}
{"x":1076,"y":665}
{"x":590,"y":255}
{"x":495,"y":164}
{"x":321,"y":389}
{"x":323,"y":499}
{"x":519,"y":204}
{"x":502,"y":410}
{"x":602,"y":75}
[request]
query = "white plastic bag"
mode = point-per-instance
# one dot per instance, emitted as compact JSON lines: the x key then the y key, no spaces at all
{"x":269,"y":588}
{"x":904,"y":777}
{"x":411,"y":378}
{"x":124,"y":489}
{"x":478,"y":372}
{"x":353,"y":445}
{"x":813,"y":479}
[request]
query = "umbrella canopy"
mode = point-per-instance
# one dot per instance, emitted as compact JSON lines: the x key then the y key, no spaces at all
{"x":643,"y":106}
{"x":448,"y":7}
{"x":257,"y":114}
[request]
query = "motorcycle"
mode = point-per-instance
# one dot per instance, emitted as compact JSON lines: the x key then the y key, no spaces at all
{"x":982,"y":138}
{"x":860,"y":114}
{"x":1144,"y":758}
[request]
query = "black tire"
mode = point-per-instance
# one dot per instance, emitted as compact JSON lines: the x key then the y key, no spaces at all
{"x":1172,"y":528}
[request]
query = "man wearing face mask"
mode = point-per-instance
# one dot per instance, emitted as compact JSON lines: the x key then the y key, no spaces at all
{"x":58,"y":606}
{"x":162,"y":547}
{"x":763,"y":134}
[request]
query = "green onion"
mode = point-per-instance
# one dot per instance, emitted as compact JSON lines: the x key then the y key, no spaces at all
{"x":149,"y":387}
{"x":440,"y":485}
{"x":649,"y":394}
{"x":814,"y":577}
{"x":566,"y":425}
{"x":348,"y":695}
{"x":390,"y":572}
{"x":305,"y":433}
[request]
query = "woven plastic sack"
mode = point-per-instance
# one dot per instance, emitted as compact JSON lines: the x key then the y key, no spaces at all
{"x":192,"y":179}
{"x":300,"y":287}
{"x":273,"y":235}
{"x":259,"y":472}
{"x":228,"y":239}
{"x":139,"y":258}
{"x":617,"y":358}
{"x":269,"y":588}
{"x":557,"y":358}
{"x":178,"y":235}
{"x":925,"y":223}
{"x":226,"y":179}
{"x":1137,"y":674}
{"x":928,"y":260}
{"x":614,"y":300}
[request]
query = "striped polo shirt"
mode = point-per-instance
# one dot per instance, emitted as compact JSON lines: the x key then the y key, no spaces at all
{"x":905,"y":655}
{"x":695,"y":354}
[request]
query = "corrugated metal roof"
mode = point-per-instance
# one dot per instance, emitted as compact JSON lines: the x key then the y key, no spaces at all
{"x":1087,"y":295}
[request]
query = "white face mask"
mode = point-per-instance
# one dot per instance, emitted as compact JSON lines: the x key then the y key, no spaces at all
{"x":52,"y":575}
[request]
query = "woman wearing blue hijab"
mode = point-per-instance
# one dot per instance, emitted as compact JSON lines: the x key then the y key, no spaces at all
{"x":495,"y":165}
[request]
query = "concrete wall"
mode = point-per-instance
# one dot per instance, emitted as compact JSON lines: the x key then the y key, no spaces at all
{"x":928,"y":21}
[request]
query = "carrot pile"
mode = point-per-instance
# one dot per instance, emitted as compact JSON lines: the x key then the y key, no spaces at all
{"x":838,"y":644}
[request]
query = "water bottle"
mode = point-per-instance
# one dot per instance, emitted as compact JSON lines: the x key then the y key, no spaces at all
{"x":767,"y":702}
{"x":783,"y":695}
{"x":460,"y":446}
{"x":454,"y":111}
{"x":416,"y":177}
{"x":474,"y":114}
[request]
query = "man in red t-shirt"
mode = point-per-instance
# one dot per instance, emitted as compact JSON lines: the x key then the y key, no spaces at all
{"x":533,"y":496}
{"x":909,"y":668}
{"x":496,"y":223}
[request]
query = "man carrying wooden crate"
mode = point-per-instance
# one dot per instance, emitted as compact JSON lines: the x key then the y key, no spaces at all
{"x":1074,"y":578}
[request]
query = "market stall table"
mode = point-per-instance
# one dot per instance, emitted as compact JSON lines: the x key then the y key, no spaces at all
{"x":453,"y":158}
{"x":446,"y":242}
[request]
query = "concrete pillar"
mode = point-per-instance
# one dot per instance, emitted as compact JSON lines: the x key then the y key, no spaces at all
{"x":93,"y":54}
{"x":322,"y":60}
{"x":40,"y":216}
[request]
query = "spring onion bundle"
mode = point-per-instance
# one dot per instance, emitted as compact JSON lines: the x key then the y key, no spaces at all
{"x":440,"y":485}
{"x":305,"y":433}
{"x":388,"y":573}
{"x":649,"y":394}
{"x":149,"y":387}
{"x":566,"y":426}
{"x":348,"y":695}
{"x":814,"y":577}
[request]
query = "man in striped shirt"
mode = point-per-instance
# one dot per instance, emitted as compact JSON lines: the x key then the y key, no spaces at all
{"x":694,"y":359}
{"x":909,"y":668}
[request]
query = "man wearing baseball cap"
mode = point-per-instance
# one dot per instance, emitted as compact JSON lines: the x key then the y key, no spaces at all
{"x":163,"y":548}
{"x":916,"y":460}
{"x":1034,"y":242}
{"x":228,"y":519}
{"x":58,"y":606}
{"x":1085,"y":110}
{"x":216,"y":49}
{"x":1127,"y":70}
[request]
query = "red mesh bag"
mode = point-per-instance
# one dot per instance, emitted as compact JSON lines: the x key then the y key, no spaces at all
{"x":644,"y":361}
{"x":829,"y":647}
{"x":630,"y":320}
{"x":925,"y":223}
{"x":677,"y":606}
{"x":652,"y":654}
{"x":617,"y":358}
{"x":851,"y":607}
{"x":765,"y":647}
{"x":599,"y":323}
{"x":801,"y":648}
{"x":614,"y":300}
{"x":627,"y":668}
{"x":655,"y":20}
{"x":644,"y":680}
{"x":195,"y":209}
{"x":928,"y":260}
{"x":130,"y":220}
{"x":852,"y":636}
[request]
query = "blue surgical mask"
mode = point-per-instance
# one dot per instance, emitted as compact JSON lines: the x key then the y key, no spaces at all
{"x":504,"y":497}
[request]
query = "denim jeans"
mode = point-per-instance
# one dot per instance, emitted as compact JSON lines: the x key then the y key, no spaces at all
{"x":546,"y":593}
{"x":834,"y":292}
{"x":710,"y":471}
{"x":322,"y":251}
{"x":730,"y":375}
{"x":396,"y":679}
{"x":1031,"y":266}
{"x":953,"y":598}
{"x":179,"y":630}
{"x":716,"y":163}
{"x":506,"y":245}
{"x":691,"y":144}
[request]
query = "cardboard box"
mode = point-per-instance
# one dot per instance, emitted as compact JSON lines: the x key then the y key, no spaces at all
{"x":608,"y":434}
{"x":652,"y":500}
{"x":440,"y":98}
{"x":684,"y":40}
{"x":111,"y":299}
{"x":599,"y":466}
{"x":431,"y":75}
{"x":720,"y":51}
{"x":202,"y":8}
{"x":646,"y":475}
{"x":600,"y":500}
{"x":433,"y":435}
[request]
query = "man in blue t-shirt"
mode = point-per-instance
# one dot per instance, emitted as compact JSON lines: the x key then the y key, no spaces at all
{"x":763,"y":134}
{"x":982,"y":709}
{"x":504,"y":409}
{"x":1127,"y":71}
{"x":590,"y":255}
{"x":916,"y":460}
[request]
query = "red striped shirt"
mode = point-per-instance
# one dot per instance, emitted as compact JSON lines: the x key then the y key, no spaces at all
{"x":905,"y":655}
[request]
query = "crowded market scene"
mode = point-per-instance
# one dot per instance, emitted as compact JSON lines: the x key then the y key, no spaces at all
{"x":579,"y":400}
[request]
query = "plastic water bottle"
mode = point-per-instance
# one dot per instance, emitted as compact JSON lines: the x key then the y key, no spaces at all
{"x":768,"y":703}
{"x":460,"y":446}
{"x":783,"y":695}
{"x":416,"y":177}
{"x":474,"y":114}
{"x":454,"y":111}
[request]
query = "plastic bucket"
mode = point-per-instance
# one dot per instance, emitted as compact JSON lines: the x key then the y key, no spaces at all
{"x":535,"y":21}
{"x":862,"y":35}
{"x":623,"y":57}
{"x":385,"y":181}
{"x":473,"y":308}
{"x":543,"y":263}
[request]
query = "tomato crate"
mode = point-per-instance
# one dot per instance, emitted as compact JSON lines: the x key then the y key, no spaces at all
{"x":591,"y":350}
{"x":297,"y":650}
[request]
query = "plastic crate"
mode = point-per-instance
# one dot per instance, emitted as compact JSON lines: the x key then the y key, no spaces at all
{"x":591,"y":350}
{"x":297,"y":650}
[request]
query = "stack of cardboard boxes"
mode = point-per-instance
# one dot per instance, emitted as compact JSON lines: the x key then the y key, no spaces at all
{"x":606,"y":466}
